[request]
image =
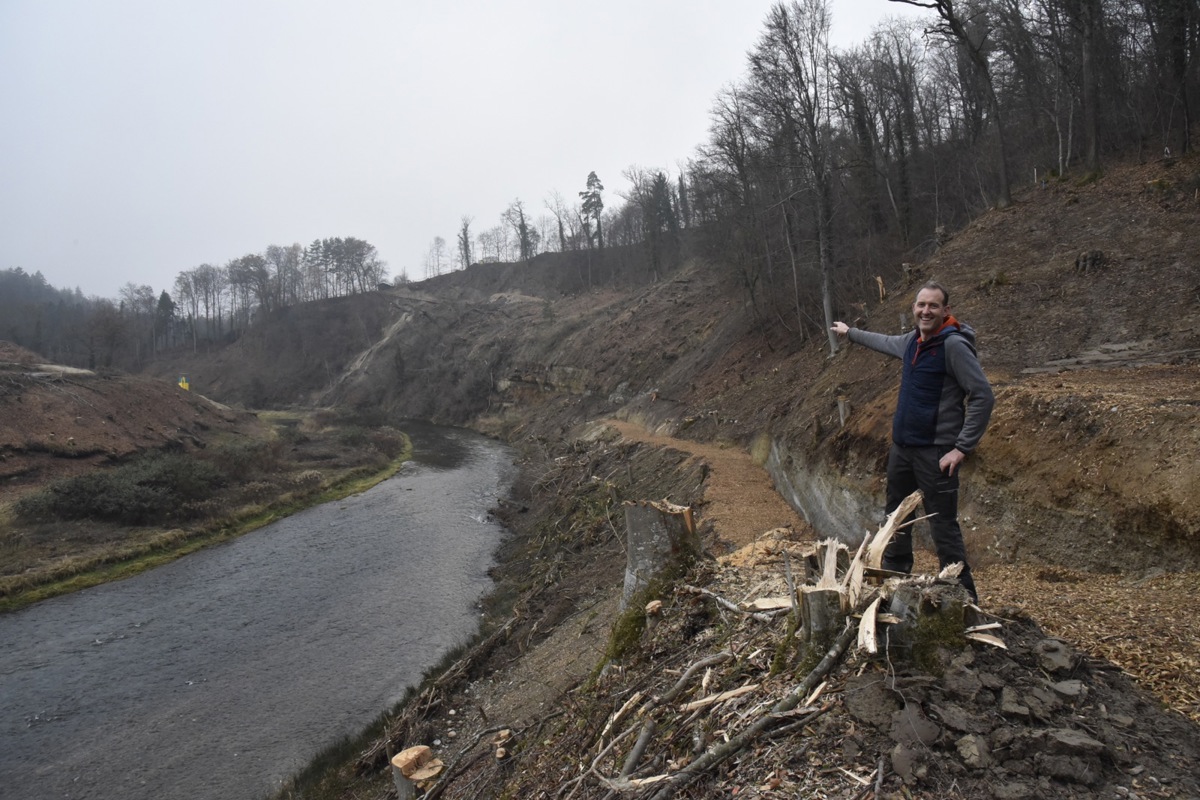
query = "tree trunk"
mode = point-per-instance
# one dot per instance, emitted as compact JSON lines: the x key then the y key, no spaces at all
{"x":659,"y":537}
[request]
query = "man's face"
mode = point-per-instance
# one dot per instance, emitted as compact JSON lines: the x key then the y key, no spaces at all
{"x":929,"y":312}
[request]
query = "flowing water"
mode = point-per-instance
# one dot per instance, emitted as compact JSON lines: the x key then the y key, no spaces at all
{"x":223,"y":673}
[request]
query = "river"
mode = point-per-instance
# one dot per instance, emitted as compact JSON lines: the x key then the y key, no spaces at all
{"x":222,"y":674}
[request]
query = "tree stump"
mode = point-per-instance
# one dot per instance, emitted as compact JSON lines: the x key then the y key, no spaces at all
{"x":822,"y":615}
{"x":933,"y":618}
{"x":660,"y":536}
{"x":413,"y":768}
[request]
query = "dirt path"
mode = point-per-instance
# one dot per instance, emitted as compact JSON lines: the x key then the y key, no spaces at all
{"x":1144,"y":624}
{"x":741,"y":501}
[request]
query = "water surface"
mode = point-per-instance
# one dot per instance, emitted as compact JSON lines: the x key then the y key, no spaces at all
{"x":223,"y":673}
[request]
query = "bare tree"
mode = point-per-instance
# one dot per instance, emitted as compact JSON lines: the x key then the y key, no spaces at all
{"x":970,"y":28}
{"x":791,"y":88}
{"x":436,"y":257}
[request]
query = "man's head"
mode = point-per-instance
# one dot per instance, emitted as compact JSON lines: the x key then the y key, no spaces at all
{"x":931,"y":308}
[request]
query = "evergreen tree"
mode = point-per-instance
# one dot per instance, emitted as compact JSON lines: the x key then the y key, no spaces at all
{"x":593,"y":207}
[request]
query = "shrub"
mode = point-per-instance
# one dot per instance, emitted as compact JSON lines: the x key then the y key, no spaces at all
{"x":150,"y":490}
{"x":245,"y":458}
{"x":389,"y":441}
{"x":353,"y":437}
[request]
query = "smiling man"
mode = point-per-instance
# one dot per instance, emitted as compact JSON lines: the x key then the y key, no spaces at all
{"x":943,"y":409}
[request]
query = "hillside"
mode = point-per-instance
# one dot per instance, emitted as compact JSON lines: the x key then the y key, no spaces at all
{"x":1085,"y":299}
{"x":1079,"y":504}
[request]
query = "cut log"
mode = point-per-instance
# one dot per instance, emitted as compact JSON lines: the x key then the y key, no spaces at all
{"x":660,"y":537}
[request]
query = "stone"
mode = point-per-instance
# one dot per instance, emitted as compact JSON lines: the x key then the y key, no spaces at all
{"x":1074,"y":769}
{"x":957,"y":719}
{"x":990,"y":681}
{"x":1014,"y":790}
{"x":911,"y":727}
{"x":1010,"y":703}
{"x":961,"y":682}
{"x":973,"y":750}
{"x":1070,"y":690}
{"x":869,"y":700}
{"x":1042,"y":703}
{"x":1055,"y":656}
{"x":1071,"y":742}
{"x":906,"y":762}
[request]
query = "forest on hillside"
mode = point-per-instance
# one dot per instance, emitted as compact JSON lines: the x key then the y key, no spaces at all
{"x":824,"y":168}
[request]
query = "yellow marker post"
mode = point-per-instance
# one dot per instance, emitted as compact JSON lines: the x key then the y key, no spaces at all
{"x":183,"y":383}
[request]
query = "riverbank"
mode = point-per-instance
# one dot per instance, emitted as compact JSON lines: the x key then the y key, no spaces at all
{"x":289,"y":462}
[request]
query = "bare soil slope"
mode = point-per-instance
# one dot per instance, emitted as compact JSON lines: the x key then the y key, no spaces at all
{"x":57,"y":423}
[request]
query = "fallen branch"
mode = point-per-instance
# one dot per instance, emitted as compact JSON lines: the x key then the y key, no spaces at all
{"x":718,"y":698}
{"x":728,"y":604}
{"x":718,"y":754}
{"x":681,"y":684}
{"x":419,"y":706}
{"x":456,"y":767}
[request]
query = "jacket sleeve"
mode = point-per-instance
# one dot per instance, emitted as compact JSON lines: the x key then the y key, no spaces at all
{"x":963,"y":366}
{"x":881,"y":342}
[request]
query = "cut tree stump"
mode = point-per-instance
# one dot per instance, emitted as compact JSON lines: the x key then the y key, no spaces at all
{"x":933,"y":619}
{"x":407,"y":763}
{"x":659,"y":536}
{"x":822,"y":614}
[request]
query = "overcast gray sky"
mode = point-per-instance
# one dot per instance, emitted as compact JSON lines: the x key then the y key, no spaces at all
{"x":139,"y":139}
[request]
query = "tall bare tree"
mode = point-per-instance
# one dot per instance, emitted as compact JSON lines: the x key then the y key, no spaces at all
{"x":966,"y":23}
{"x":790,"y":73}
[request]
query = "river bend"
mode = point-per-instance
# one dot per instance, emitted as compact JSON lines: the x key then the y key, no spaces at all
{"x":223,"y":673}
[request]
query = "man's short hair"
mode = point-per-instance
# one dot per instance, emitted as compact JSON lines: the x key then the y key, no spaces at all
{"x":938,"y":287}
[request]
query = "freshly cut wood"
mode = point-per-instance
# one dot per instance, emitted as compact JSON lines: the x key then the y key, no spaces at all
{"x":769,"y":604}
{"x":832,"y":553}
{"x":405,"y":765}
{"x":884,"y":536}
{"x":411,"y":759}
{"x":428,"y":771}
{"x":713,"y":699}
{"x":866,"y":629}
{"x":823,"y":562}
{"x":987,"y":638}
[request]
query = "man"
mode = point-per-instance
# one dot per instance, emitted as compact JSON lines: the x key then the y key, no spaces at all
{"x":943,"y":409}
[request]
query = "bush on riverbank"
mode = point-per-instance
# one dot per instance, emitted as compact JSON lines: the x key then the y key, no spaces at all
{"x":153,"y":489}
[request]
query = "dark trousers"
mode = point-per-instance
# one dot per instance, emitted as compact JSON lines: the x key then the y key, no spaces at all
{"x":912,"y":468}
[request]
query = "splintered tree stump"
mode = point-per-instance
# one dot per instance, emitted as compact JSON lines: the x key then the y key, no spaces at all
{"x":933,"y":618}
{"x":822,"y":615}
{"x":660,"y":536}
{"x":825,"y":562}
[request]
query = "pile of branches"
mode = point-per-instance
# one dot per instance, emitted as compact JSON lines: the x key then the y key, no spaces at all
{"x":720,"y":696}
